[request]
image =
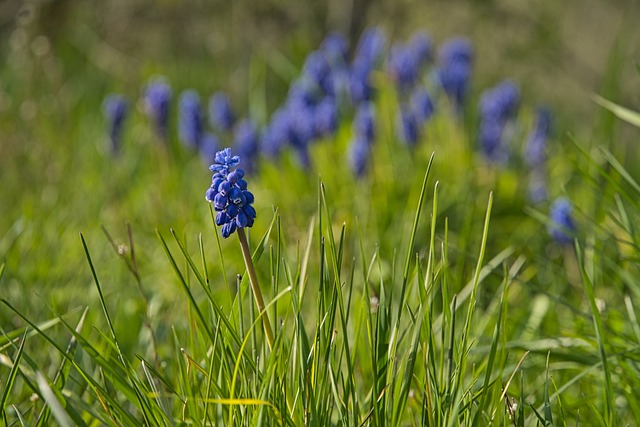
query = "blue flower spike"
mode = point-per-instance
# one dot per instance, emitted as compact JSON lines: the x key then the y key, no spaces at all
{"x":229,"y":195}
{"x":562,"y":226}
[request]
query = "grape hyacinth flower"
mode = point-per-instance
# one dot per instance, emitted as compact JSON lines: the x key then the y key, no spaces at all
{"x":232,"y":202}
{"x":157,"y":100}
{"x":246,"y":140}
{"x":407,"y":127}
{"x":229,"y":194}
{"x":497,"y":107}
{"x":209,"y":146}
{"x":562,"y":226}
{"x":221,"y":116}
{"x":422,"y":105}
{"x":535,"y":152}
{"x":115,"y":109}
{"x":536,"y":157}
{"x":455,"y":59}
{"x":362,"y":143}
{"x":335,"y":49}
{"x":403,"y":67}
{"x":191,"y":126}
{"x":421,"y":46}
{"x":358,"y":155}
{"x":326,"y":117}
{"x":364,"y":122}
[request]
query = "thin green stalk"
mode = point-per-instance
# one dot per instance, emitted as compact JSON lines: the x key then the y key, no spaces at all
{"x":255,"y":286}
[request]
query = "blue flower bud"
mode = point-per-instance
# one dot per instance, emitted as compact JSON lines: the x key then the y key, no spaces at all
{"x":224,"y":187}
{"x":242,"y":219}
{"x":234,"y":195}
{"x":210,"y":194}
{"x":249,"y":211}
{"x":228,"y":228}
{"x":220,"y":202}
{"x":248,"y":196}
{"x":221,"y":218}
{"x":562,"y":226}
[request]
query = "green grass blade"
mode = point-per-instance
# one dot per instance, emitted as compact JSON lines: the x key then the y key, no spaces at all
{"x":609,"y":397}
{"x":629,"y":116}
{"x":8,"y":384}
{"x":50,"y":397}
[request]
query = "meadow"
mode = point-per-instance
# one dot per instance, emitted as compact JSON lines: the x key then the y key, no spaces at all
{"x":427,"y":252}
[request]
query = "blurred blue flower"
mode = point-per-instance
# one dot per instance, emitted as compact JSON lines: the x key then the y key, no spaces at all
{"x":326,"y":117}
{"x":277,"y":133}
{"x":403,"y":67}
{"x":221,"y":116}
{"x":422,"y":47}
{"x":455,"y":59}
{"x":535,"y":151}
{"x":360,"y":87}
{"x":562,"y":226}
{"x":537,"y":187}
{"x":334,"y":47}
{"x":407,"y":126}
{"x":317,"y":69}
{"x":246,"y":143}
{"x":497,"y":106}
{"x":501,"y":102}
{"x":157,"y":102}
{"x":370,"y":49}
{"x":191,"y":126}
{"x":359,"y":151}
{"x":422,"y":105}
{"x":364,"y":123}
{"x":209,"y":146}
{"x":229,"y":195}
{"x":115,"y":109}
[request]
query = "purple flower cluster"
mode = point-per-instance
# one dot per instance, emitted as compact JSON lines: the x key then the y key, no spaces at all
{"x":562,"y":226}
{"x":369,"y":54}
{"x":407,"y":60}
{"x":310,"y":111}
{"x":229,"y":195}
{"x":221,"y":116}
{"x":536,"y":156}
{"x":362,"y":142}
{"x":497,"y":107}
{"x":246,"y":142}
{"x":115,"y":109}
{"x":455,"y":59}
{"x":191,"y":123}
{"x":157,"y":101}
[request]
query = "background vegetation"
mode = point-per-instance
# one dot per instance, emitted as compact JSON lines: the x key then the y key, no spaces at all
{"x":537,"y":332}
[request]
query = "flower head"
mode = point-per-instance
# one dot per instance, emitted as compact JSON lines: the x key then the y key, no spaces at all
{"x":229,"y":194}
{"x":403,"y":66}
{"x":115,"y":109}
{"x":562,"y":226}
{"x":246,"y":140}
{"x":454,"y":69}
{"x":191,"y":126}
{"x":157,"y":100}
{"x":535,"y":154}
{"x":422,"y":105}
{"x":221,"y":116}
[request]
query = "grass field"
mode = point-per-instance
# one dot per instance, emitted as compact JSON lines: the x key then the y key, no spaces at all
{"x":428,"y":276}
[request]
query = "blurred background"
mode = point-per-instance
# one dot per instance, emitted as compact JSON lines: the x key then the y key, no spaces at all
{"x":55,"y":51}
{"x":61,"y":57}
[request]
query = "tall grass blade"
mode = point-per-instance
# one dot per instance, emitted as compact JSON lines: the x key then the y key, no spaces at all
{"x":50,"y":397}
{"x":8,"y":384}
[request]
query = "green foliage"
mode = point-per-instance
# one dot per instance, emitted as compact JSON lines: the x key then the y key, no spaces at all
{"x":426,"y":293}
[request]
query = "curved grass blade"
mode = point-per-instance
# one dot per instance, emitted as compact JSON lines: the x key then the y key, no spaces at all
{"x":8,"y":385}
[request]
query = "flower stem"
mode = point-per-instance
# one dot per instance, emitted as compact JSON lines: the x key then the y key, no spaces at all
{"x":255,"y":286}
